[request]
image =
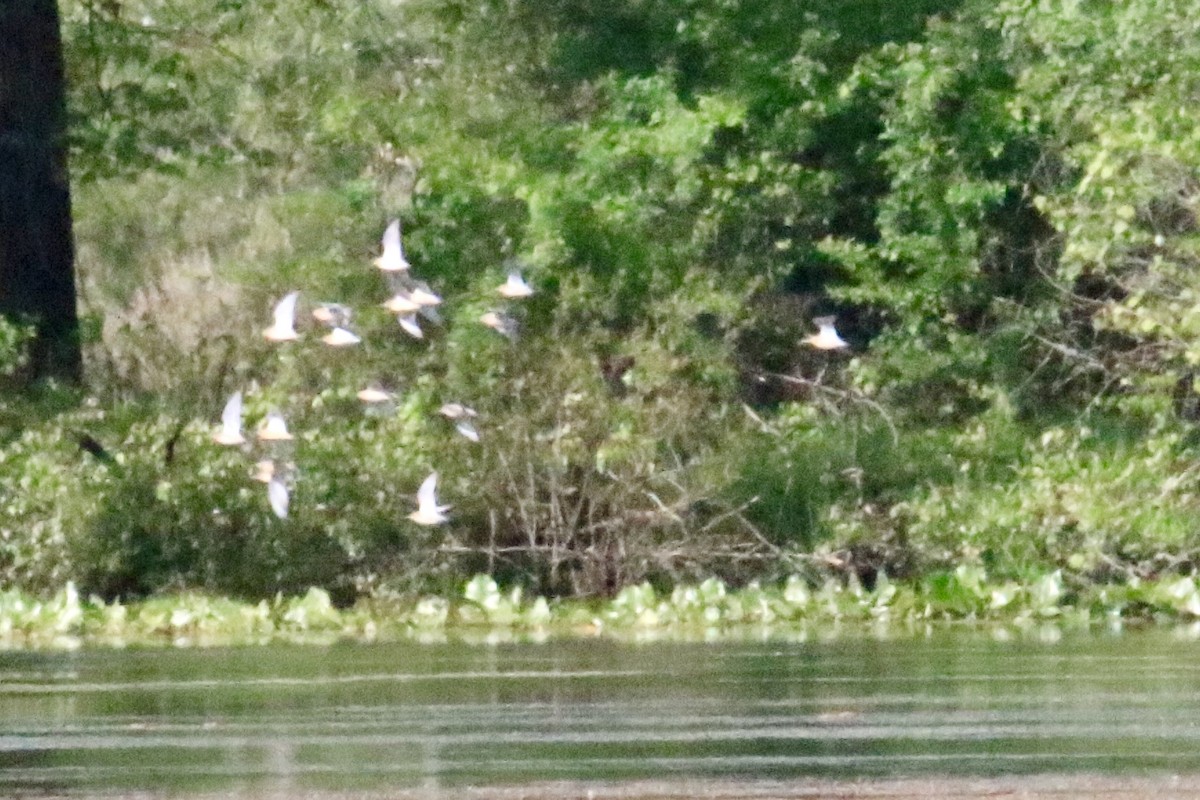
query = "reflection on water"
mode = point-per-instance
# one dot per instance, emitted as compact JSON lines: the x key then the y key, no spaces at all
{"x":375,"y":716}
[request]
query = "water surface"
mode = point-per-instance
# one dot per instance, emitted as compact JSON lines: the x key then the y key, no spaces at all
{"x":395,"y":716}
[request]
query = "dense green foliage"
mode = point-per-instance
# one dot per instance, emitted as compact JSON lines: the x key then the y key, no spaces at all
{"x":998,"y":200}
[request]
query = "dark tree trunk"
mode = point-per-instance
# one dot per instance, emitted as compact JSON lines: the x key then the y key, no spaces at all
{"x":37,"y":276}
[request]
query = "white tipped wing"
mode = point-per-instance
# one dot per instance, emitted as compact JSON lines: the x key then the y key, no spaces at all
{"x":374,"y":394}
{"x":274,"y":428}
{"x":501,"y":323}
{"x":410,"y":325}
{"x":392,"y":259}
{"x":428,"y":511}
{"x":264,"y":471}
{"x":277,"y":494}
{"x":402,"y":303}
{"x":426,"y":495}
{"x":340,"y":337}
{"x":231,"y":421}
{"x":456,"y":411}
{"x":827,"y":337}
{"x":285,"y":312}
{"x":515,"y":286}
{"x":467,"y":429}
{"x":423,"y":296}
{"x":231,"y":417}
{"x":430,"y":313}
{"x":391,"y":240}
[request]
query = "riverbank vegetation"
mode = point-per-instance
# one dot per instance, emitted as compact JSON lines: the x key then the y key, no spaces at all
{"x":483,"y":612}
{"x":997,"y":200}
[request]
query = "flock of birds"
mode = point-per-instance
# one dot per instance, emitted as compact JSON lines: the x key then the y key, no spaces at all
{"x":411,"y":301}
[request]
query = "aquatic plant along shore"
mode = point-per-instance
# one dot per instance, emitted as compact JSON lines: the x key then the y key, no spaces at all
{"x":484,"y":612}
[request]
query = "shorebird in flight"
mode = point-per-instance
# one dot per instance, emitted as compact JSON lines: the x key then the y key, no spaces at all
{"x":264,"y":471}
{"x":423,"y":296}
{"x":392,"y":259}
{"x":274,"y":429}
{"x":461,"y":416}
{"x":428,"y":511}
{"x":231,"y":422}
{"x":335,"y":315}
{"x":402,"y":302}
{"x":374,"y":394}
{"x":501,"y":323}
{"x":283,"y":328}
{"x":279,"y":497}
{"x":826,"y":338}
{"x":408,"y":322}
{"x":277,"y":491}
{"x":340,"y":337}
{"x":515,"y":287}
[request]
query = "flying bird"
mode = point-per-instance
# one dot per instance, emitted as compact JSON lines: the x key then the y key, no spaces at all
{"x":826,"y":338}
{"x":231,"y":422}
{"x":373,"y":395}
{"x":428,"y":511}
{"x":457,"y":411}
{"x":392,"y":259}
{"x":264,"y":471}
{"x":423,"y":296}
{"x":278,"y":497}
{"x":461,"y":416}
{"x":410,"y":325}
{"x":430,"y":313}
{"x":515,"y":287}
{"x":274,"y":429}
{"x":335,"y":315}
{"x":340,"y":337}
{"x":501,"y":323}
{"x":467,"y":429}
{"x":283,"y":329}
{"x":402,"y":302}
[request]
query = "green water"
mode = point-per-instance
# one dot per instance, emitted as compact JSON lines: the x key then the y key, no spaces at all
{"x":380,"y":716}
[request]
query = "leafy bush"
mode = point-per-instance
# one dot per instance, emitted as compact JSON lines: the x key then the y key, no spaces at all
{"x":1097,"y":501}
{"x":997,"y":199}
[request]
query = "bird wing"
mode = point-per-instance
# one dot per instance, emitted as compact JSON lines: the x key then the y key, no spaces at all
{"x":515,"y":286}
{"x":392,"y":250}
{"x":334,"y":315}
{"x":467,"y":429}
{"x":277,"y":494}
{"x":409,"y":323}
{"x":285,"y":311}
{"x":231,"y":417}
{"x":430,"y":313}
{"x":421,"y":293}
{"x":425,"y":495}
